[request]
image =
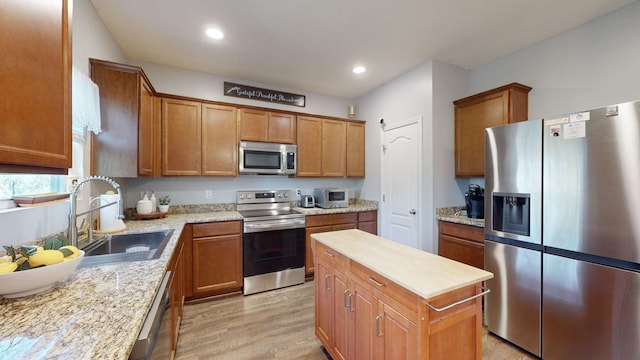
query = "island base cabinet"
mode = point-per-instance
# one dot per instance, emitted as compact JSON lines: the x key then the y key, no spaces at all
{"x":363,"y":315}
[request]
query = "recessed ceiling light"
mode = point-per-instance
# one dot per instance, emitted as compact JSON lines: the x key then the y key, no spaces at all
{"x":359,"y":69}
{"x":214,"y":33}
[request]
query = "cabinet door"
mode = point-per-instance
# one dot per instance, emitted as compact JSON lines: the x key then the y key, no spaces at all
{"x":340,"y":318}
{"x":146,"y":131}
{"x":309,"y":146}
{"x":355,"y":149}
{"x":181,"y":137}
{"x":462,"y":250}
{"x":362,"y":325}
{"x":254,"y":125}
{"x":35,"y":84}
{"x":334,"y":147}
{"x":308,"y":261}
{"x":398,"y":334}
{"x":324,"y":301}
{"x":471,"y":120}
{"x":217,"y":264}
{"x":282,"y":128}
{"x":219,"y":140}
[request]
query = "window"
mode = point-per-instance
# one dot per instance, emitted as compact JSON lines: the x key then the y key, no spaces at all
{"x":22,"y":184}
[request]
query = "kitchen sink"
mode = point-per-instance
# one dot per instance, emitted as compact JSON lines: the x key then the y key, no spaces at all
{"x":126,"y":248}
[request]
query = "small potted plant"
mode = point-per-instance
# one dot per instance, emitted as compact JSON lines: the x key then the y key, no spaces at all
{"x":163,"y":204}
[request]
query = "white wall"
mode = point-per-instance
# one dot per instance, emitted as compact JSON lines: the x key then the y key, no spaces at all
{"x":591,"y":66}
{"x":427,"y":91}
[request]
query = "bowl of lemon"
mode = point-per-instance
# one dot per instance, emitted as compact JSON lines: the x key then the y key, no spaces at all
{"x":29,"y":270}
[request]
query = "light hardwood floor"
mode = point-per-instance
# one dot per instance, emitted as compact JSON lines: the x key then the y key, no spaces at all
{"x":272,"y":325}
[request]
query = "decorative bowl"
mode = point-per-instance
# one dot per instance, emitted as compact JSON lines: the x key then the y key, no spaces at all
{"x":28,"y":282}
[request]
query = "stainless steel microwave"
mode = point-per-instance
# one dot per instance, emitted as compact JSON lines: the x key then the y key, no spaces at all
{"x":267,"y":158}
{"x":331,"y":198}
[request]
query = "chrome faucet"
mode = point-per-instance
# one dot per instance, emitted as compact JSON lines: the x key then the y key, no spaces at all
{"x":73,"y":215}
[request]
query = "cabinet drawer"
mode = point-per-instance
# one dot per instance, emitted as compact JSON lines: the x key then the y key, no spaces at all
{"x":391,"y":292}
{"x":332,"y":219}
{"x":329,"y":256}
{"x":468,"y":232}
{"x":217,"y":228}
{"x":368,"y":216}
{"x":462,"y":250}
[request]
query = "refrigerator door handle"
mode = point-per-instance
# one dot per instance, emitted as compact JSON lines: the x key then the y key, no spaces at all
{"x":485,"y":292}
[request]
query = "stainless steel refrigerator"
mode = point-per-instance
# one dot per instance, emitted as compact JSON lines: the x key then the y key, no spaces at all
{"x":581,"y":278}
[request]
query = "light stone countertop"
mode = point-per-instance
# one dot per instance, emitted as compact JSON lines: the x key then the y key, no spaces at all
{"x":96,"y":312}
{"x":454,"y":214}
{"x":423,"y":273}
{"x":349,"y":209}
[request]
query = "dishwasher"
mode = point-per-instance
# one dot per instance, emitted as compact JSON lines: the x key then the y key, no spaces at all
{"x":154,"y":339}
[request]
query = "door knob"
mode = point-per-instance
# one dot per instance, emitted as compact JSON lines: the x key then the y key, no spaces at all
{"x":412,"y":211}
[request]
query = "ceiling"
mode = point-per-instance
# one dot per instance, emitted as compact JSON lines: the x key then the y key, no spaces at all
{"x":312,"y":45}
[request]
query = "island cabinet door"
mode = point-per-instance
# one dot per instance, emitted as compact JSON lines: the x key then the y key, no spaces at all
{"x":362,"y":324}
{"x":397,"y":335}
{"x":324,"y":300}
{"x":340,"y":342}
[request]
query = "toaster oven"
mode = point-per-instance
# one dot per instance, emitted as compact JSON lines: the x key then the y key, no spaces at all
{"x":331,"y":198}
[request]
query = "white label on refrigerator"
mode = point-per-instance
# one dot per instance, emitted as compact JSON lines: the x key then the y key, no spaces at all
{"x":556,"y":121}
{"x":583,"y":116}
{"x":575,"y":130}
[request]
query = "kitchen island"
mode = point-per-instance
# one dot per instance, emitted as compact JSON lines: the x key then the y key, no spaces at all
{"x":376,"y":297}
{"x":96,"y":312}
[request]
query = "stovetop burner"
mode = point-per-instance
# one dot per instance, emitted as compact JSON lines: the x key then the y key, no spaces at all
{"x":266,"y":205}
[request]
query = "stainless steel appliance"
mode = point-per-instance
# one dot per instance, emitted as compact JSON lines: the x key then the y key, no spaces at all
{"x":273,"y":240}
{"x":153,"y":342}
{"x":331,"y":197}
{"x":307,"y":201}
{"x":591,"y":234}
{"x":474,"y":199}
{"x":267,"y":158}
{"x":513,"y":243}
{"x":576,"y":291}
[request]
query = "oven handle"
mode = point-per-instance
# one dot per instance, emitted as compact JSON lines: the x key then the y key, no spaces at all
{"x":251,"y":227}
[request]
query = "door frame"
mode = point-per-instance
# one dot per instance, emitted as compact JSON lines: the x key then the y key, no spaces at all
{"x":417,"y":119}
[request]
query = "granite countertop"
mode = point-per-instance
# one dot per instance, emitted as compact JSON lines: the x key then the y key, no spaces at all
{"x":350,"y":208}
{"x":96,"y":312}
{"x":457,"y":214}
{"x":423,"y":273}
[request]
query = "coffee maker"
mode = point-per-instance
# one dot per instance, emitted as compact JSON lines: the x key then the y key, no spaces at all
{"x":474,"y":199}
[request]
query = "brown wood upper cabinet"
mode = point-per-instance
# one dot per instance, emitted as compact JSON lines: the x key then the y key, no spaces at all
{"x":36,"y":86}
{"x":129,"y":144}
{"x":198,"y":139}
{"x":504,"y":105}
{"x":337,"y":152}
{"x":267,"y":126}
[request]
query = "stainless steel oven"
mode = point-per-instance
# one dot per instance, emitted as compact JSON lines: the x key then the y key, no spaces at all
{"x":273,"y":241}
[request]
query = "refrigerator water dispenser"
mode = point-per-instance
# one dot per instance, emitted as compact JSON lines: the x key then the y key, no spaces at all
{"x":511,"y":213}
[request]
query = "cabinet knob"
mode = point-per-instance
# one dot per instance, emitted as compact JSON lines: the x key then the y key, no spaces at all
{"x":412,"y":211}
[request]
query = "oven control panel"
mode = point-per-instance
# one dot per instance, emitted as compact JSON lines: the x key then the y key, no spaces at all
{"x":261,"y":196}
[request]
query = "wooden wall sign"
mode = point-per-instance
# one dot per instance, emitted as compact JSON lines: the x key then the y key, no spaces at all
{"x":254,"y":93}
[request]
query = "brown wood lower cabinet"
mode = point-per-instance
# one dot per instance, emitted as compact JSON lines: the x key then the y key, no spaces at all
{"x":463,"y":243}
{"x":361,"y":314}
{"x":216,"y":259}
{"x":364,"y":220}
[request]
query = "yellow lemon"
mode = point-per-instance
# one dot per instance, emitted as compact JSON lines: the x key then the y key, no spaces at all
{"x":74,"y":251}
{"x":39,"y":248}
{"x":7,"y":267}
{"x":5,"y":258}
{"x":46,"y":257}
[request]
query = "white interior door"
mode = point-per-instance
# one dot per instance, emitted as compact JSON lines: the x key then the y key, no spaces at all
{"x":400,"y":181}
